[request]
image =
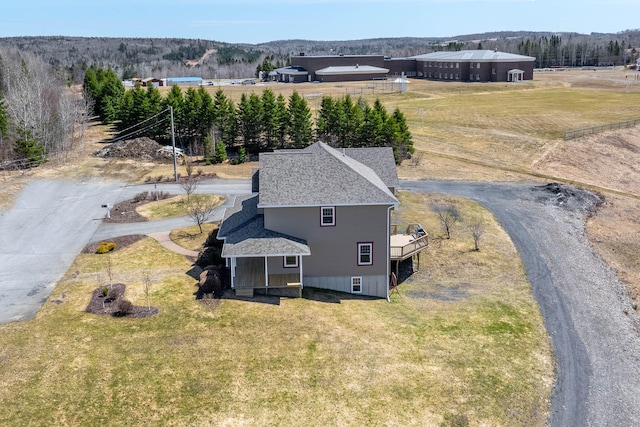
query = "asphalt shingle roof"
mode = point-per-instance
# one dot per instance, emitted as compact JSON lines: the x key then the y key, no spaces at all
{"x":380,"y":159}
{"x":474,"y":55}
{"x":244,"y":234}
{"x":319,"y":175}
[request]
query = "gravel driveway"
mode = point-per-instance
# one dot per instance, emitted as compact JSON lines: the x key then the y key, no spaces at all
{"x":593,"y":328}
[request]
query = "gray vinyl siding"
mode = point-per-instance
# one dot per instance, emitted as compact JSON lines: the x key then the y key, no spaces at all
{"x":276,"y":266}
{"x":334,"y":249}
{"x":371,"y":285}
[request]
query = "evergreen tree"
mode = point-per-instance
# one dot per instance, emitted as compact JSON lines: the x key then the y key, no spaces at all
{"x":350,"y":118}
{"x":328,"y":121}
{"x":269,"y":122}
{"x":249,"y":122}
{"x":282,"y":122}
{"x":192,"y":108}
{"x":154,"y":105}
{"x":175,"y":99}
{"x":300,"y":127}
{"x":26,"y":147}
{"x":242,"y":155}
{"x":209,"y":150}
{"x":402,"y":140}
{"x":206,"y":112}
{"x":221,"y":152}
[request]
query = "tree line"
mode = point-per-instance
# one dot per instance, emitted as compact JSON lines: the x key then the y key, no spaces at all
{"x":212,"y":125}
{"x":39,"y":116}
{"x":554,"y":51}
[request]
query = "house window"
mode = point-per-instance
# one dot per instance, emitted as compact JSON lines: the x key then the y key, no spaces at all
{"x":290,"y":261}
{"x":356,"y":285}
{"x":365,"y":253}
{"x":457,"y":65}
{"x":327,"y":216}
{"x":493,"y":71}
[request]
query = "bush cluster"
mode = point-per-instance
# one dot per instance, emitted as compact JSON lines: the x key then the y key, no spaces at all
{"x":124,"y":307}
{"x":105,"y":247}
{"x":151,"y":195}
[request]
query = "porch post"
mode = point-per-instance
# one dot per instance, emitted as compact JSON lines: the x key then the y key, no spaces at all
{"x":233,"y":273}
{"x":301,"y":285}
{"x":266,"y":273}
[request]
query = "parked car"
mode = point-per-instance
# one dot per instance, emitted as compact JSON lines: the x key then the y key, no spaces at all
{"x":248,"y":82}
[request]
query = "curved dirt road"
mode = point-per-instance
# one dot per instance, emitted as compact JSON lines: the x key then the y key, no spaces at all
{"x":593,"y":328}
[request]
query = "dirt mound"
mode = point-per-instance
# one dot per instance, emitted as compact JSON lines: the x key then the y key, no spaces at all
{"x":571,"y":198}
{"x":139,"y":148}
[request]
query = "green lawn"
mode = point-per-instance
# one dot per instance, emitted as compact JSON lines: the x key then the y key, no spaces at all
{"x":175,"y":206}
{"x":425,"y":358}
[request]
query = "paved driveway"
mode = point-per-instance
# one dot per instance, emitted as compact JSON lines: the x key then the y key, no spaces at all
{"x":48,"y":225}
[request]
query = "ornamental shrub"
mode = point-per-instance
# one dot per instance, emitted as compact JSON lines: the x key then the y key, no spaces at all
{"x":124,"y":307}
{"x":105,"y":247}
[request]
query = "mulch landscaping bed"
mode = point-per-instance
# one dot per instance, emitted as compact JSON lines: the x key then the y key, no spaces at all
{"x":121,"y":242}
{"x":125,"y":212}
{"x":110,"y":305}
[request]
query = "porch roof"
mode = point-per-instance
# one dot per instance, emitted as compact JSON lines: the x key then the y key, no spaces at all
{"x":245,"y":236}
{"x":253,"y":240}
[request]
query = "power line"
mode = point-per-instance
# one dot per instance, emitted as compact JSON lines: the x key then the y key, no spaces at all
{"x":140,"y":124}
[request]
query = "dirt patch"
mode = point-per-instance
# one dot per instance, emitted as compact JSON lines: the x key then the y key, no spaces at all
{"x":121,"y":242}
{"x":138,"y":148}
{"x":443,"y":293}
{"x":570,"y":198}
{"x":107,"y":300}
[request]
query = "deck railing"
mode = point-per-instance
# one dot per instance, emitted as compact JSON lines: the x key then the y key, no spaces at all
{"x":405,"y":251}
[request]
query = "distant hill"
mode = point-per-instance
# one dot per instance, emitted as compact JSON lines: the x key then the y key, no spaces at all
{"x":170,"y":57}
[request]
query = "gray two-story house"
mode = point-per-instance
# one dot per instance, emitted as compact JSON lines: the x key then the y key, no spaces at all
{"x":320,"y":218}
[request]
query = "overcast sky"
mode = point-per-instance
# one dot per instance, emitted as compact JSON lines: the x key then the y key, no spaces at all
{"x":256,"y":21}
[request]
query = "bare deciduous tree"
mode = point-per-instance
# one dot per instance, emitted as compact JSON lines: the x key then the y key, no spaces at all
{"x":189,"y":185}
{"x":146,"y":287}
{"x":475,"y":227}
{"x":200,"y":210}
{"x":36,"y":102}
{"x":110,"y":271}
{"x":448,"y":216}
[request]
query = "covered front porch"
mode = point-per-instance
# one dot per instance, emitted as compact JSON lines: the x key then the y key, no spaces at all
{"x":250,"y":274}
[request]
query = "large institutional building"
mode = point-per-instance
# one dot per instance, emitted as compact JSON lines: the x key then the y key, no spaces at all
{"x":462,"y":66}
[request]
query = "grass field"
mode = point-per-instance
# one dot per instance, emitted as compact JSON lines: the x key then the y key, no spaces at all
{"x":464,"y":341}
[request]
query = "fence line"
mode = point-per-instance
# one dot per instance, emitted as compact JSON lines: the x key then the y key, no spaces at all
{"x":572,"y":134}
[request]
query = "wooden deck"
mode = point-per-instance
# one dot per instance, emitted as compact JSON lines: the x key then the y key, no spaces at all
{"x":403,"y":246}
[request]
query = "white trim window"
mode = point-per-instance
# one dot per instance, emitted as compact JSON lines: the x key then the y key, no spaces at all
{"x":291,"y":261}
{"x":327,"y":216}
{"x":365,"y":253}
{"x":356,"y":285}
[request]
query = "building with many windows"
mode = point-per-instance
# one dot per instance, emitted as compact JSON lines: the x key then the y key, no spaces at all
{"x":462,"y":66}
{"x":475,"y":66}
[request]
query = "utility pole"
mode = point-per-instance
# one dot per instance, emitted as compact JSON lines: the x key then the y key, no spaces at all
{"x":173,"y":144}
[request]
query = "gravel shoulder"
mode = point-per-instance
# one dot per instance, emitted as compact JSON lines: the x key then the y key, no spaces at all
{"x":594,"y":330}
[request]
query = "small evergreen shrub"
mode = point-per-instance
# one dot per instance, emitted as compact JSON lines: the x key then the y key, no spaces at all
{"x":105,"y":292}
